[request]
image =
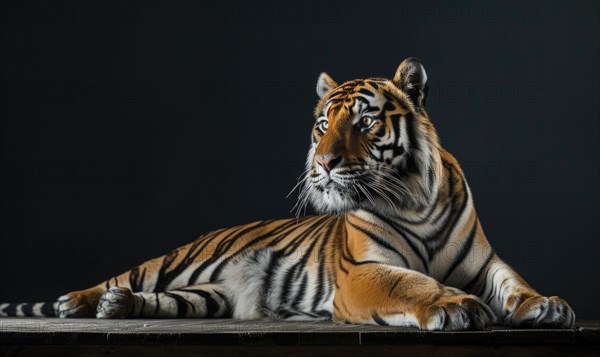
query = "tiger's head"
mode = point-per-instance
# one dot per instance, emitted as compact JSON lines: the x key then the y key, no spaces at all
{"x":373,"y":145}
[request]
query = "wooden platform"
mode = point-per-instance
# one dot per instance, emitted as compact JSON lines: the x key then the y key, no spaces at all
{"x":34,"y":336}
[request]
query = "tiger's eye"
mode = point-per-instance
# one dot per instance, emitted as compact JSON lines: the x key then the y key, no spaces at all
{"x":367,"y":121}
{"x":324,"y":125}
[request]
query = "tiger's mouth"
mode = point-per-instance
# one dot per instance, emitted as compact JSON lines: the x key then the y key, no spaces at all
{"x":343,"y":191}
{"x":338,"y":192}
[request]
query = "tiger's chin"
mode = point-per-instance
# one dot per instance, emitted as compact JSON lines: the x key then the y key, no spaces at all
{"x":333,"y":200}
{"x":341,"y":198}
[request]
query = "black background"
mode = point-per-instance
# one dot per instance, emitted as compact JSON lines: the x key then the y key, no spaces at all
{"x":130,"y":128}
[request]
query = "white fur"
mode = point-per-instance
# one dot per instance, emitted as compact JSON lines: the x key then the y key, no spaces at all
{"x":244,"y":282}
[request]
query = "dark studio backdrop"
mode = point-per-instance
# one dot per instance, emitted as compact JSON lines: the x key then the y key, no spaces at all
{"x":129,"y":128}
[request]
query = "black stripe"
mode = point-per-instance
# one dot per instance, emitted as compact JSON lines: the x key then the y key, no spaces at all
{"x":48,"y":309}
{"x":212,"y":306}
{"x":10,"y":310}
{"x":368,"y":107}
{"x":157,"y":307}
{"x":302,"y":237}
{"x":395,"y":119}
{"x":396,"y":283}
{"x":464,"y":250}
{"x":442,"y":235}
{"x":484,"y":268}
{"x":323,"y":313}
{"x":430,"y":174}
{"x":27,"y":309}
{"x":301,"y":291}
{"x":287,"y":313}
{"x":492,"y":284}
{"x":352,"y":261}
{"x":410,"y":165}
{"x":443,"y":212}
{"x":293,"y":271}
{"x":182,"y":304}
{"x":251,"y":243}
{"x":228,"y":308}
{"x":274,"y":263}
{"x":134,"y":274}
{"x":446,"y":318}
{"x":409,"y":119}
{"x":378,"y":320}
{"x":341,"y":266}
{"x":392,"y":98}
{"x":141,"y":314}
{"x":196,"y":273}
{"x":319,"y":294}
{"x":381,"y":132}
{"x":136,"y":280}
{"x":497,"y":289}
{"x":408,"y":241}
{"x":366,"y":92}
{"x":382,"y":242}
{"x":287,"y":283}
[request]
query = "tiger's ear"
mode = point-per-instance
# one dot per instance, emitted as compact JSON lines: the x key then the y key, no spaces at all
{"x":325,"y":84}
{"x":411,"y":78}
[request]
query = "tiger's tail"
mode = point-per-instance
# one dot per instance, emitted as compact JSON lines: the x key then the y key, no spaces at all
{"x":29,"y":309}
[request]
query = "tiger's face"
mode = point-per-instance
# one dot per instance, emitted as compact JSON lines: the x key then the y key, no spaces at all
{"x":372,"y":144}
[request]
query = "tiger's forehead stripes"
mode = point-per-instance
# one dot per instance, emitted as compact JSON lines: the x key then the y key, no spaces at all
{"x":364,"y":90}
{"x":347,"y":89}
{"x":352,"y":110}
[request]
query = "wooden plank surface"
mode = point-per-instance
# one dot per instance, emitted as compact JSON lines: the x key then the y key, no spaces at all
{"x":240,"y":332}
{"x":224,"y":337}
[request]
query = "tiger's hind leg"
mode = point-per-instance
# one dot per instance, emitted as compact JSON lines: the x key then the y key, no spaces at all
{"x":202,"y":300}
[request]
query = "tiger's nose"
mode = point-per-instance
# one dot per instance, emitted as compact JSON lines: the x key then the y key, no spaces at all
{"x":329,"y":161}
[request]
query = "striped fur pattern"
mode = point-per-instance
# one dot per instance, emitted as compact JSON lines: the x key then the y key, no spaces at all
{"x":398,"y":241}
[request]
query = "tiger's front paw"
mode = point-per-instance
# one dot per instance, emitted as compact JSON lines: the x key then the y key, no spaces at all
{"x":115,"y":303}
{"x":457,"y":312}
{"x":540,"y":311}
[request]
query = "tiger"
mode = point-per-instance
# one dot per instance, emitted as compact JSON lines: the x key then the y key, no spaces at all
{"x":396,"y":239}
